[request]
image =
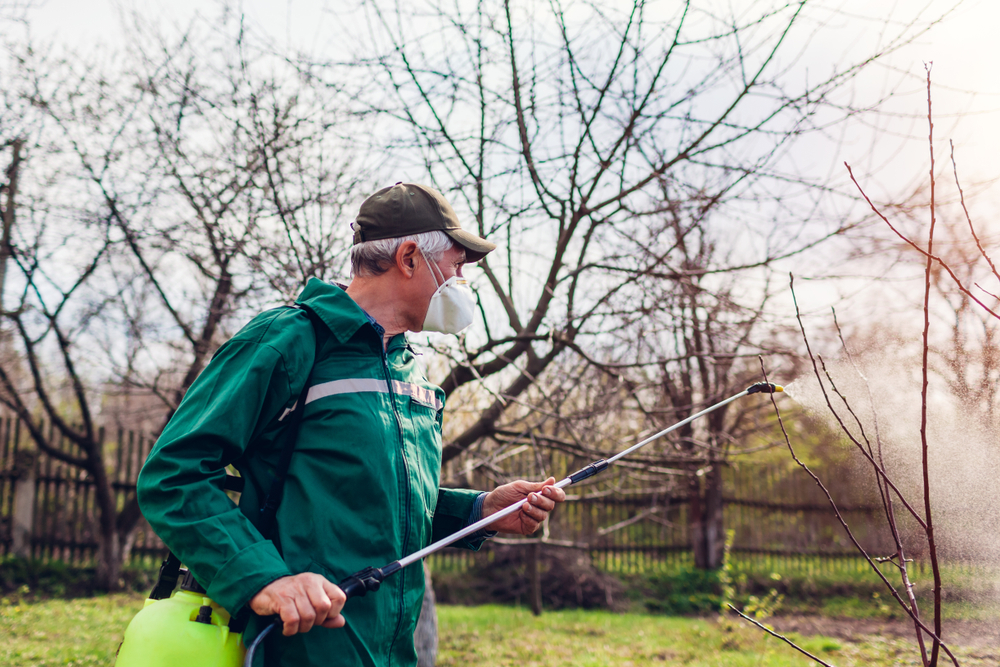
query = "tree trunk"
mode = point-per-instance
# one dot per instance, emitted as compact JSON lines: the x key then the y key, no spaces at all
{"x":535,"y":576}
{"x":705,"y":524}
{"x":109,"y":561}
{"x":425,"y":637}
{"x":696,"y":526}
{"x":109,"y":555}
{"x":713,"y":528}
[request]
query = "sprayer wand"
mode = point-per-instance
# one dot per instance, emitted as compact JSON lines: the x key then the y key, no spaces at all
{"x":370,"y":578}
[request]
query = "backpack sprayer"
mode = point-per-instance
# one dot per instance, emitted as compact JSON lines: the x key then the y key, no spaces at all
{"x":188,"y":628}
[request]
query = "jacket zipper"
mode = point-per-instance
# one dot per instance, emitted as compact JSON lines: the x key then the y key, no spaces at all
{"x":406,"y":477}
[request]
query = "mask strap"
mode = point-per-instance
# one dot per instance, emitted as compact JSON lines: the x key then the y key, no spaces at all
{"x":434,"y":269}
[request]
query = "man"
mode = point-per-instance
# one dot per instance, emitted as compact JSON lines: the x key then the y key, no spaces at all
{"x":362,"y":485}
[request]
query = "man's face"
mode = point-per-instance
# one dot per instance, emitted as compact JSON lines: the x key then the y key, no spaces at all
{"x":450,"y":264}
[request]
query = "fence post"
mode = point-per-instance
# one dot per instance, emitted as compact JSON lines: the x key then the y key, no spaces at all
{"x":23,"y":518}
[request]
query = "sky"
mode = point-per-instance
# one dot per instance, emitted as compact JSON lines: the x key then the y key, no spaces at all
{"x":963,"y":49}
{"x":890,"y":149}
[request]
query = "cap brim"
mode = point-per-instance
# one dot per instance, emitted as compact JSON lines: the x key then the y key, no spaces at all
{"x":475,"y":247}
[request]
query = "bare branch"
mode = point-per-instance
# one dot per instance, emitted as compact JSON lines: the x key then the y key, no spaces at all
{"x":780,"y":636}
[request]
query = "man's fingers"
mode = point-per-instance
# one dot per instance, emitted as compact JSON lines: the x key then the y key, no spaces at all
{"x":303,"y":601}
{"x":307,"y":615}
{"x":525,"y":487}
{"x":541,"y":502}
{"x":290,"y":618}
{"x":319,"y":599}
{"x":337,"y":600}
{"x":332,"y":621}
{"x":557,"y":495}
{"x":536,"y":513}
{"x":336,"y":595}
{"x":541,"y":485}
{"x":528,"y":524}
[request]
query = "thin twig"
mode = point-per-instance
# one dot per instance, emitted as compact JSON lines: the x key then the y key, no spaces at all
{"x":968,"y":218}
{"x":924,"y":453}
{"x":890,"y":514}
{"x":779,"y":636}
{"x":925,"y":253}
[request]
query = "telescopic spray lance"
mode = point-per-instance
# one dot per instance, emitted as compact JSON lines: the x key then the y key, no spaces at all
{"x":370,"y":578}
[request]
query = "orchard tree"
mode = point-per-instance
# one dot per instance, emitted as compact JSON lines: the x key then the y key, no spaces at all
{"x":164,"y":194}
{"x":598,"y":146}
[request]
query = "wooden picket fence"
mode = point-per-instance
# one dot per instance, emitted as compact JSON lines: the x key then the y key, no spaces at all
{"x":776,"y":512}
{"x":779,"y":517}
{"x":62,"y":518}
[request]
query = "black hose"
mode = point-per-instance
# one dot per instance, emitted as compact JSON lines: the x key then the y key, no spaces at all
{"x":248,"y":660}
{"x":355,"y":586}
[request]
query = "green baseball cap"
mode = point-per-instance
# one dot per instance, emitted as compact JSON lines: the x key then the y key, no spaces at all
{"x":408,"y":208}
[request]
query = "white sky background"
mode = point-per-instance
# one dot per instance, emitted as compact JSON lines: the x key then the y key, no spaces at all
{"x":964,"y":50}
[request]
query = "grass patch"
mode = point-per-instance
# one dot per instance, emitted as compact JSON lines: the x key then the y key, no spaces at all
{"x":512,"y":637}
{"x":494,"y":635}
{"x":85,"y":632}
{"x":79,"y":632}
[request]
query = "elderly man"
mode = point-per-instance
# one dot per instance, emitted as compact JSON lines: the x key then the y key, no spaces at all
{"x":362,"y":484}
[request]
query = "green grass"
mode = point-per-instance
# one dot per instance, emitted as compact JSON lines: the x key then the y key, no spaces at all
{"x":86,"y":631}
{"x":493,"y":635}
{"x":77,"y":633}
{"x":511,"y":636}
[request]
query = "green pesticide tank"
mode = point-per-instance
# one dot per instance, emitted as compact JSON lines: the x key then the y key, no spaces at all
{"x":185,"y":630}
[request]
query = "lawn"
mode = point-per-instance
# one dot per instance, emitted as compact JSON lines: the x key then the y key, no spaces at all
{"x":86,"y":631}
{"x":493,"y":635}
{"x":80,"y":632}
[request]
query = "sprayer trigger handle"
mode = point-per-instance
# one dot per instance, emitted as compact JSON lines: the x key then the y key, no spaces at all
{"x":358,"y":584}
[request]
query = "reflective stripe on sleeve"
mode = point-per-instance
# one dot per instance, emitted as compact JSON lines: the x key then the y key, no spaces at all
{"x":365,"y":385}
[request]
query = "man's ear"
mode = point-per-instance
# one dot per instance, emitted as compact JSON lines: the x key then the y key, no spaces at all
{"x":406,"y":258}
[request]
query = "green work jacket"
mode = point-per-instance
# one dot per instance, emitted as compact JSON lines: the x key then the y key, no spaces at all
{"x":362,"y":487}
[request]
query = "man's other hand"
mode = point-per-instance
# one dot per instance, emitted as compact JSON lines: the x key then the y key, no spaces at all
{"x":539,"y":498}
{"x":302,"y":601}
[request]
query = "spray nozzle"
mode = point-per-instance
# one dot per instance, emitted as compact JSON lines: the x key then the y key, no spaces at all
{"x":764,"y":388}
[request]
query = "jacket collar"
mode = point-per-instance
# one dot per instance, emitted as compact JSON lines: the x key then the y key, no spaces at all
{"x":396,"y":342}
{"x":334,"y":307}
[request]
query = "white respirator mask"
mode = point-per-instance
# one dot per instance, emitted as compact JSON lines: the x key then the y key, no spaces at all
{"x":453,"y":305}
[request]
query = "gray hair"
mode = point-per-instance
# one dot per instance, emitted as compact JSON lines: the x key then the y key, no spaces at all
{"x":373,"y":258}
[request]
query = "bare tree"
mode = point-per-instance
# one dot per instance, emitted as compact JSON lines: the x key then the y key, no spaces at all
{"x":565,"y":134}
{"x":631,"y":164}
{"x":706,"y":338}
{"x":199,"y":185}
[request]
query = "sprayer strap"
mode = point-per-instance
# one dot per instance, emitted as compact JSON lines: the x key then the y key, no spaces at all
{"x":166,"y":580}
{"x":269,"y":508}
